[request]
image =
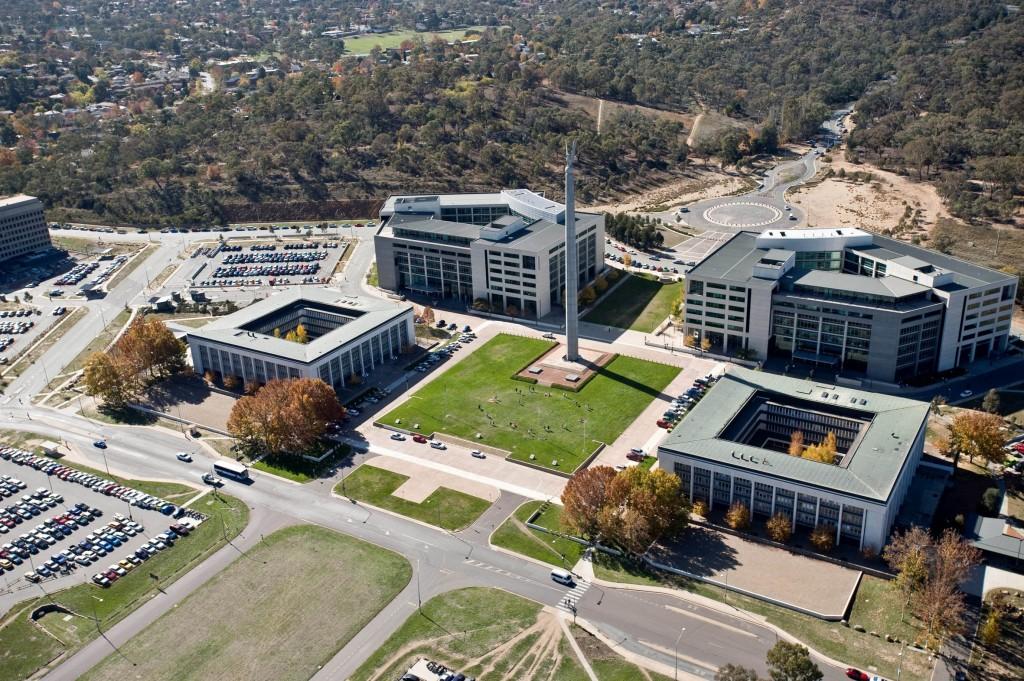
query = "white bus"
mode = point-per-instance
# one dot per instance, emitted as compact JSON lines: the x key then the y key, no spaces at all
{"x":231,"y":469}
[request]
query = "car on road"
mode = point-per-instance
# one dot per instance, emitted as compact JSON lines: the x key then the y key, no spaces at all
{"x":211,"y":479}
{"x":183,"y":456}
{"x":100,"y":444}
{"x":792,"y":217}
{"x":549,"y":336}
{"x":437,"y":444}
{"x":856,"y":674}
{"x":477,"y":454}
{"x":398,"y":436}
{"x":419,"y":438}
{"x":636,"y":456}
{"x":966,"y":393}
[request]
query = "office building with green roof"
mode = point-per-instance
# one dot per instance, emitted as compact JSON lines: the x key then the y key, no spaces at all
{"x":734,"y":446}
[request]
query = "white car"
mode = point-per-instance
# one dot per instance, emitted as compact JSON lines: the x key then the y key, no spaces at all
{"x":184,"y":456}
{"x":477,"y":454}
{"x":397,"y":436}
{"x":437,"y":444}
{"x":967,"y":393}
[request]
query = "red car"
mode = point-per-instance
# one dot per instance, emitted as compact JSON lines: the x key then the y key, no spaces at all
{"x":662,"y":423}
{"x":636,"y":456}
{"x":419,"y":438}
{"x":1019,"y":448}
{"x":857,"y":675}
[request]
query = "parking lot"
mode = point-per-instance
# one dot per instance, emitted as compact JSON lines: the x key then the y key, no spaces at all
{"x":265,"y":263}
{"x":75,"y":533}
{"x":21,"y":327}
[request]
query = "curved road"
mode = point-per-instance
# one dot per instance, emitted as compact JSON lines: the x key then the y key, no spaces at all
{"x":645,"y":624}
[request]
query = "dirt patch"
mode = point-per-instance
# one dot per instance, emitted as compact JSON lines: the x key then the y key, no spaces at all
{"x":701,"y":183}
{"x":592,"y":106}
{"x":876,"y":205}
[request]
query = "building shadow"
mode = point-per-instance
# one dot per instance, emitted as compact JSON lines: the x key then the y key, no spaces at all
{"x":177,"y":390}
{"x":699,"y":551}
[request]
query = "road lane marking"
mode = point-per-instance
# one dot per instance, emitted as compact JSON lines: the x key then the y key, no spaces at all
{"x":672,"y":653}
{"x":713,"y":622}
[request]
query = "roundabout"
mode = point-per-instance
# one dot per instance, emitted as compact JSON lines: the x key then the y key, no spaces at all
{"x":743,"y":214}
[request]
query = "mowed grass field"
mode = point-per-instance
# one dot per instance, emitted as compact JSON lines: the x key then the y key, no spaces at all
{"x":638,"y":304}
{"x":478,"y":395}
{"x":276,"y":613}
{"x":362,"y":44}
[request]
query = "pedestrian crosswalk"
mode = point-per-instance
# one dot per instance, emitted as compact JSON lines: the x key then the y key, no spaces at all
{"x":568,"y":602}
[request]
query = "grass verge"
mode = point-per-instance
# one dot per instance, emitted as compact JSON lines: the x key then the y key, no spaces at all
{"x":444,"y":507}
{"x":297,"y":469}
{"x":479,"y":396}
{"x":514,"y":535}
{"x":639,"y":304}
{"x":274,"y":614}
{"x":131,"y":266}
{"x":877,"y":607}
{"x":25,"y":648}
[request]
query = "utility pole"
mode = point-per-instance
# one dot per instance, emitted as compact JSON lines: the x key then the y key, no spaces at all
{"x":675,"y":674}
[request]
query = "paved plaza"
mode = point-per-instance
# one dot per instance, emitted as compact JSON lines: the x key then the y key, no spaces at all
{"x":759,"y":569}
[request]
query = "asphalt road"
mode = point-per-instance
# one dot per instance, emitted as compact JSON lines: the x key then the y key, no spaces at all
{"x":647,"y":624}
{"x":757,"y":210}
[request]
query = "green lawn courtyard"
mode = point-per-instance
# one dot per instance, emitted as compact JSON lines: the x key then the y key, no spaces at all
{"x":279,"y":612}
{"x":639,"y":304}
{"x":479,"y":396}
{"x":362,"y":44}
{"x":446,"y":508}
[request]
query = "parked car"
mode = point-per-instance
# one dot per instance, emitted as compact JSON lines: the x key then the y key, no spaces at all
{"x":419,"y":438}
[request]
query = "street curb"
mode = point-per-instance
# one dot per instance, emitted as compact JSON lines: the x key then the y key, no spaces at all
{"x":724,"y":609}
{"x":635,"y":658}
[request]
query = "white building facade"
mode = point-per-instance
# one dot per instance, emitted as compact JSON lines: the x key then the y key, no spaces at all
{"x":732,"y":448}
{"x":350,"y":337}
{"x":23,"y":228}
{"x":505,"y":251}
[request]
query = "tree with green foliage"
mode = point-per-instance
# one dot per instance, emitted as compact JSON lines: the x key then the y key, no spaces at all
{"x":792,"y":662}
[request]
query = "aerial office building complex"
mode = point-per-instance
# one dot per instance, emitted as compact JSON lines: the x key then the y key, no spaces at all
{"x":348,"y":337}
{"x":733,"y":447}
{"x":22,"y":227}
{"x":850,"y":301}
{"x":504,"y":250}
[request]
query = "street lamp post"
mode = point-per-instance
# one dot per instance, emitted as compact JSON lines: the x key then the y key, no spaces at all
{"x":675,"y":673}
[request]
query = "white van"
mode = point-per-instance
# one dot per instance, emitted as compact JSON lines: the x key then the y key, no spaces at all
{"x":562,"y":576}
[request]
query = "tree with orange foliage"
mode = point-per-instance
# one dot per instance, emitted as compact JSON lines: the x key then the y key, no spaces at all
{"x":796,"y":443}
{"x":977,"y":434}
{"x":583,"y":498}
{"x":642,"y":506}
{"x":285,"y":415}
